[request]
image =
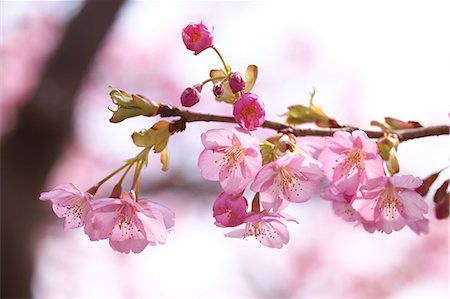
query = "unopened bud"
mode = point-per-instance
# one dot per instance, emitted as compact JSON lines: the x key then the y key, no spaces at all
{"x":190,"y":97}
{"x":237,"y":83}
{"x":218,"y":90}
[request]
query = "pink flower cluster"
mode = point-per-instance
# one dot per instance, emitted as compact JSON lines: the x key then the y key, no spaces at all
{"x":362,"y":193}
{"x":235,"y":161}
{"x":248,"y":110}
{"x":129,"y":225}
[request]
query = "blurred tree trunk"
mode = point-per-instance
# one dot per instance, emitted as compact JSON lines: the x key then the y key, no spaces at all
{"x":43,"y":127}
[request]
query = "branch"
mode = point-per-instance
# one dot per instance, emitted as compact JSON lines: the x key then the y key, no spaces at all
{"x":403,"y":135}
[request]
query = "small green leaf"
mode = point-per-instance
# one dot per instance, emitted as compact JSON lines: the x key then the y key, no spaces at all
{"x":130,"y":105}
{"x":397,"y":124}
{"x":250,"y":77}
{"x":157,"y":136}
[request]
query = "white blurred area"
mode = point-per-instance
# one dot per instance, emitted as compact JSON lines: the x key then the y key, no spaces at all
{"x":367,"y":60}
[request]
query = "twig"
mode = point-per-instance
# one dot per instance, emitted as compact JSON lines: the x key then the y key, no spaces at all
{"x":403,"y":135}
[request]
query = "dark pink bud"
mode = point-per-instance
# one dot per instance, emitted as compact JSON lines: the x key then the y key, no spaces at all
{"x":190,"y":97}
{"x":237,"y":83}
{"x":198,"y":37}
{"x":229,"y":210}
{"x":218,"y":90}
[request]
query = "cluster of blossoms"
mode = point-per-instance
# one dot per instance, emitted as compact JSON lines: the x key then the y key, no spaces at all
{"x":229,"y":86}
{"x":360,"y":174}
{"x":129,"y":223}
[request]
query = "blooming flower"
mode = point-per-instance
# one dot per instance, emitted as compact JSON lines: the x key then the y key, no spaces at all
{"x":129,"y":225}
{"x":350,"y":160}
{"x":229,"y":210}
{"x":198,"y":37}
{"x":392,"y":202}
{"x":249,"y":111}
{"x":190,"y":97}
{"x":232,"y":160}
{"x":291,"y":178}
{"x":237,"y":83}
{"x":266,"y":227}
{"x":70,"y":203}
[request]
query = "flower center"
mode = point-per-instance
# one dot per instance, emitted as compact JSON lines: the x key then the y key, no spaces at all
{"x":390,"y":202}
{"x":249,"y":112}
{"x":288,"y":181}
{"x":195,"y":36}
{"x":354,"y":158}
{"x":260,"y":230}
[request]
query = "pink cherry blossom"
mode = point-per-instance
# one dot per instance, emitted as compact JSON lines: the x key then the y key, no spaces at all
{"x":349,"y":160}
{"x":249,"y":111}
{"x":291,"y":178}
{"x":198,"y":37}
{"x":129,"y":225}
{"x":265,"y":227}
{"x":229,"y":210}
{"x":392,"y":202}
{"x":70,"y":203}
{"x":237,"y":83}
{"x":311,"y":145}
{"x":232,"y":160}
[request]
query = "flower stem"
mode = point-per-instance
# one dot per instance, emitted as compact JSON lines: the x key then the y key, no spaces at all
{"x":112,"y":174}
{"x":211,"y":79}
{"x":227,"y":69}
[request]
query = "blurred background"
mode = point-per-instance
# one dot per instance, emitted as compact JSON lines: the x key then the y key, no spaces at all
{"x":366,"y":61}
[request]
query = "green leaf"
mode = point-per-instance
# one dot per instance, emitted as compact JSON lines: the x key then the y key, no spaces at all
{"x":250,"y":77}
{"x":397,"y":124}
{"x":157,"y":136}
{"x":130,"y":105}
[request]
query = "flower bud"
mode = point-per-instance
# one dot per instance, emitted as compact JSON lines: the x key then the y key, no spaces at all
{"x":130,"y":105}
{"x":190,"y":97}
{"x":229,"y":210}
{"x":249,"y":111}
{"x":198,"y":37}
{"x":218,"y":90}
{"x":237,"y":83}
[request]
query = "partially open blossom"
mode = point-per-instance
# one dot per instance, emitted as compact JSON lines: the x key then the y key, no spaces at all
{"x":229,"y":210}
{"x":291,"y":178}
{"x":349,"y":160}
{"x":70,"y":203}
{"x":249,"y":111}
{"x":218,"y":90}
{"x":198,"y":37}
{"x":129,"y":225}
{"x":265,"y":227}
{"x":392,"y":202}
{"x":190,"y":97}
{"x":237,"y":82}
{"x":232,"y":160}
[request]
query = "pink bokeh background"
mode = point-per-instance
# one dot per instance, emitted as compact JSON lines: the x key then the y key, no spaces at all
{"x":366,"y":61}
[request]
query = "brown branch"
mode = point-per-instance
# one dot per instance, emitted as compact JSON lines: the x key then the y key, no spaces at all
{"x":403,"y":135}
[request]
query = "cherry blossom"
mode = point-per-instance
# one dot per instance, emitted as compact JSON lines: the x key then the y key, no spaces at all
{"x":129,"y":225}
{"x":291,"y":178}
{"x":190,"y":97}
{"x":349,"y":160}
{"x":229,"y":210}
{"x":198,"y":37}
{"x":232,"y":160}
{"x":70,"y":203}
{"x":392,"y":202}
{"x":249,"y":111}
{"x":266,"y":227}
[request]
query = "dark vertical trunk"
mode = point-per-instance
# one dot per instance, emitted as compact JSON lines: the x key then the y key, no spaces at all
{"x":44,"y":125}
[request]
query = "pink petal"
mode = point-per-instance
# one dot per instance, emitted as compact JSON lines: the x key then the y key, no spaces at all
{"x":99,"y":226}
{"x":414,"y":205}
{"x":374,"y":167}
{"x":405,"y":181}
{"x":369,"y":147}
{"x":215,"y":138}
{"x":210,"y":164}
